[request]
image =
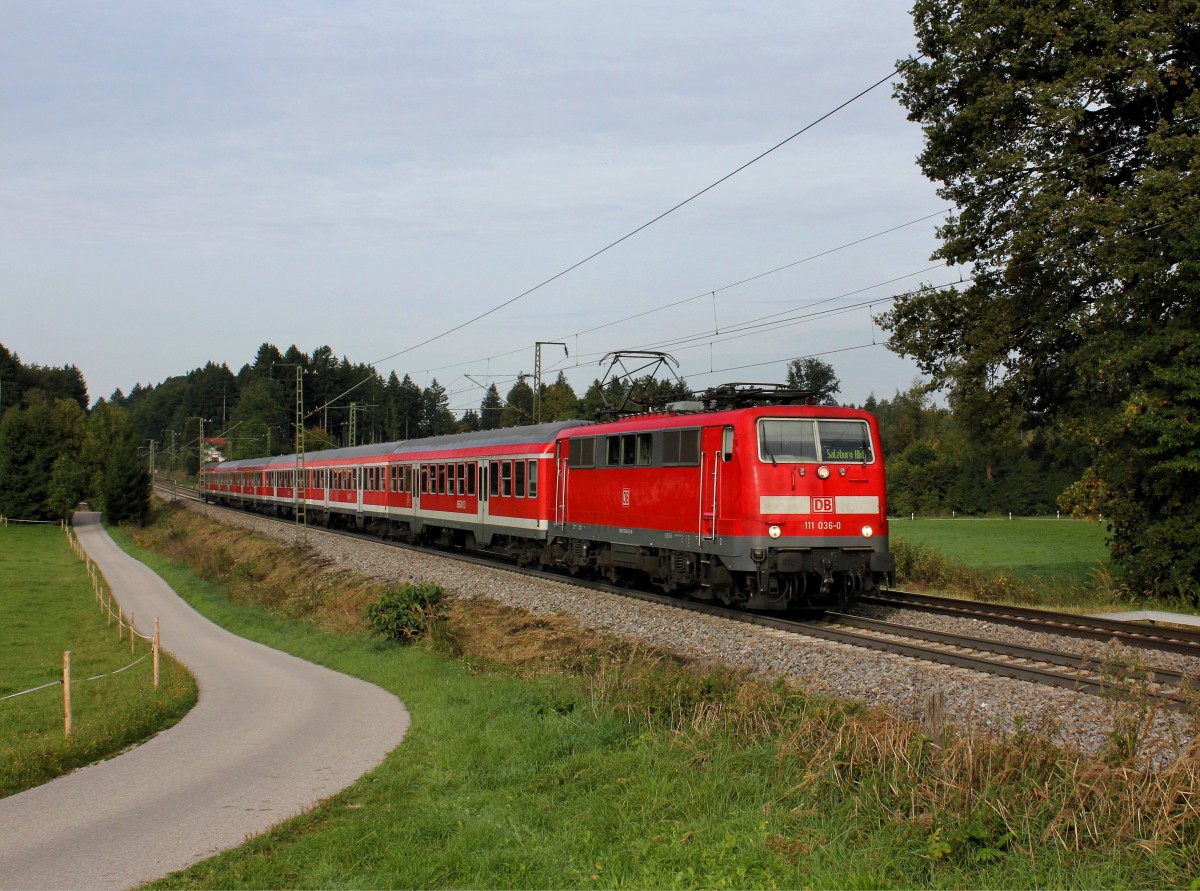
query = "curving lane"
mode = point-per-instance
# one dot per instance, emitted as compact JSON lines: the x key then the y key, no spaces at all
{"x":270,"y":737}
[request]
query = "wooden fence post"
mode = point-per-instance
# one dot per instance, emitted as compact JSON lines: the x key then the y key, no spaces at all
{"x":67,"y":692}
{"x":154,"y":649}
{"x":131,"y":636}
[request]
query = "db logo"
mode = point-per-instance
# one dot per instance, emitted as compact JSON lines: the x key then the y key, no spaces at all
{"x":625,"y":498}
{"x":822,"y":505}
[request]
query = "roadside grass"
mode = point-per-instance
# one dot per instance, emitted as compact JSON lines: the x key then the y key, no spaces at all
{"x":542,"y":755}
{"x":1048,"y":562}
{"x":48,"y":607}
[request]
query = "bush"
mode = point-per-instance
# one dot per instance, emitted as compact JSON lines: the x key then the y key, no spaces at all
{"x":405,"y":614}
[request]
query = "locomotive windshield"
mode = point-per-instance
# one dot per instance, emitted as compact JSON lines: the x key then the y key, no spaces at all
{"x":796,"y":440}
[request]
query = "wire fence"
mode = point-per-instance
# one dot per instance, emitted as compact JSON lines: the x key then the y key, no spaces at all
{"x":112,"y":609}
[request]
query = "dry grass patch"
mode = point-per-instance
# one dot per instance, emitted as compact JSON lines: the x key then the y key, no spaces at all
{"x":262,"y":573}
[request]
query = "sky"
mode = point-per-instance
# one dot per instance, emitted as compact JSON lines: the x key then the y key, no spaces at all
{"x":182,"y":182}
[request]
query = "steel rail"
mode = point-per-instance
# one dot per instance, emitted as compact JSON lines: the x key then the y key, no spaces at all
{"x":1083,"y":662}
{"x":1068,"y":624}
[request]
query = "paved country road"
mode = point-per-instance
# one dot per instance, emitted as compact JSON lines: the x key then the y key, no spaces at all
{"x":270,"y":737}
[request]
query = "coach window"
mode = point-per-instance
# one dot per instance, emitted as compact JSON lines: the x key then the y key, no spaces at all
{"x":471,"y":478}
{"x":506,"y":479}
{"x":727,"y":444}
{"x":495,"y":478}
{"x":533,"y":473}
{"x":441,"y":479}
{"x":462,"y":479}
{"x":519,"y":479}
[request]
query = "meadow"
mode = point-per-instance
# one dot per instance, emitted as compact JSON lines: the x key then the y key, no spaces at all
{"x":1047,"y":549}
{"x":1053,"y":563}
{"x":48,"y":608}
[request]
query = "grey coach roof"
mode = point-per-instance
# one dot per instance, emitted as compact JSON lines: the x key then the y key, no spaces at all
{"x":535,"y":433}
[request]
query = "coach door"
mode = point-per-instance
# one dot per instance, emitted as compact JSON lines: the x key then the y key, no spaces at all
{"x":482,"y":489}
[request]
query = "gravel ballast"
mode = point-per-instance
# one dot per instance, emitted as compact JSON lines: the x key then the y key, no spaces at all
{"x":972,"y":702}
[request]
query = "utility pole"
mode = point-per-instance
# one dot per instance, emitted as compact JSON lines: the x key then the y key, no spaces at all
{"x":356,"y":409}
{"x":537,"y":375}
{"x":299,"y":490}
{"x":300,"y":483}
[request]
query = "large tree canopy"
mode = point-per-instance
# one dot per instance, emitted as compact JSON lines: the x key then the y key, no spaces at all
{"x":1068,"y":137}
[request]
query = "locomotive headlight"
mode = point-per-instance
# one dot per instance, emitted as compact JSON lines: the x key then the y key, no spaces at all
{"x":867,"y":531}
{"x":823,"y":472}
{"x":774,"y":532}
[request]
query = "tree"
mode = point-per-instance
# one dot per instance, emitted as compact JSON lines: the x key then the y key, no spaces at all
{"x":126,"y":482}
{"x":28,"y":450}
{"x":559,"y":402}
{"x":518,"y":409}
{"x":1066,"y":136}
{"x":408,"y":410}
{"x":42,"y":462}
{"x":436,"y":417}
{"x":817,"y":376}
{"x":490,"y":409}
{"x":258,"y":422}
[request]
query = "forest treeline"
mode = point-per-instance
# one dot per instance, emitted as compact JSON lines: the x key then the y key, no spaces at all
{"x":55,"y":452}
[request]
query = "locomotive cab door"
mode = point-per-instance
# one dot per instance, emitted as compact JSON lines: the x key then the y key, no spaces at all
{"x":560,"y":484}
{"x":716,"y":451}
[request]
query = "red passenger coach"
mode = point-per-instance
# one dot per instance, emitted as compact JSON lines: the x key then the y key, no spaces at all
{"x":766,"y":506}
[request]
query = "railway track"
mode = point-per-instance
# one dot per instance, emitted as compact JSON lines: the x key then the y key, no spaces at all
{"x":1044,"y":666}
{"x":1171,"y":640}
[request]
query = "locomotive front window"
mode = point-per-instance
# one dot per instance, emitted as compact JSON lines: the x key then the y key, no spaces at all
{"x":787,"y":440}
{"x":845,"y":441}
{"x":797,"y":440}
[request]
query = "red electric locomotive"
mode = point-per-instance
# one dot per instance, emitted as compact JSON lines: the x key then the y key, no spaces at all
{"x":765,"y":506}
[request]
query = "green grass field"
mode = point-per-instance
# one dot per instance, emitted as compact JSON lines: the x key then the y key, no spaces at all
{"x":48,"y":607}
{"x":1027,"y":548}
